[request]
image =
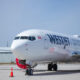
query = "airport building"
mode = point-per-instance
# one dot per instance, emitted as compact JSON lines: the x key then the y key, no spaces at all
{"x":6,"y":55}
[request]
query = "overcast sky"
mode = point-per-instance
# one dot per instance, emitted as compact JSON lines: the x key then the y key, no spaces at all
{"x":55,"y":15}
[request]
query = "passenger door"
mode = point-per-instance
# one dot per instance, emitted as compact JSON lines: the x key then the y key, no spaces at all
{"x":46,"y":43}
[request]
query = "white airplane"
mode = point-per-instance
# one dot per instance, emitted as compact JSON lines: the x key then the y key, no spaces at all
{"x":32,"y":47}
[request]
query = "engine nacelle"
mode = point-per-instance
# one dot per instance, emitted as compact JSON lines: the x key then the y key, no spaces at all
{"x":21,"y":63}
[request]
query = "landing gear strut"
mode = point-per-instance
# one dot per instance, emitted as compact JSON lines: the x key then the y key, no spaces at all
{"x":52,"y":66}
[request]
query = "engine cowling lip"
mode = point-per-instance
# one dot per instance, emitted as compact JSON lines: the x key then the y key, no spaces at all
{"x":21,"y":65}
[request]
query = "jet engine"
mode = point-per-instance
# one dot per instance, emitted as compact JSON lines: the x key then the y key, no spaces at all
{"x":21,"y":63}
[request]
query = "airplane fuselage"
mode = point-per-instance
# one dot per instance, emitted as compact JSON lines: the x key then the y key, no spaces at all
{"x":45,"y":46}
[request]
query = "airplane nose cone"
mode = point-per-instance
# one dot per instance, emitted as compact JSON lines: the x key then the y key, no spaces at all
{"x":17,"y":48}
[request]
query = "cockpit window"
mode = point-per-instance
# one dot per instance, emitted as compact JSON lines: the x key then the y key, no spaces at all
{"x":23,"y":37}
{"x":16,"y":38}
{"x":31,"y":38}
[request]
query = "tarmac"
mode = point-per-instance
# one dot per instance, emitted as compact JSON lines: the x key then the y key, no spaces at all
{"x":65,"y":72}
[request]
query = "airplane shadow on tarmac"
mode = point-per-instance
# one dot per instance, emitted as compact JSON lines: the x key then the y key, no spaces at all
{"x":59,"y":72}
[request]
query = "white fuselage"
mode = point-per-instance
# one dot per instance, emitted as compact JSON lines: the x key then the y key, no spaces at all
{"x":46,"y":46}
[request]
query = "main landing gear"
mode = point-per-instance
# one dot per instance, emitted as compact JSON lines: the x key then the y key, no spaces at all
{"x":52,"y":66}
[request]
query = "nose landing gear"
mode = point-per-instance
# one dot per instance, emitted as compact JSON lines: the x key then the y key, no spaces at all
{"x":29,"y":71}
